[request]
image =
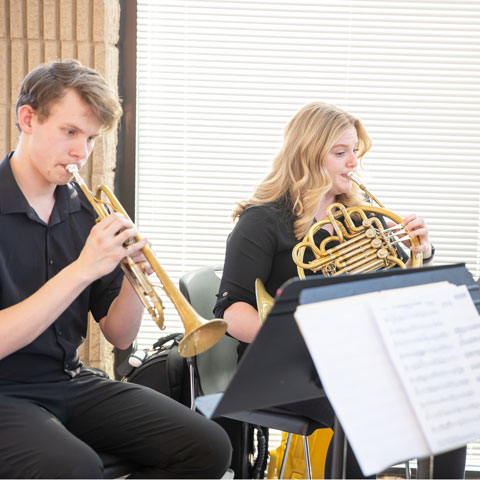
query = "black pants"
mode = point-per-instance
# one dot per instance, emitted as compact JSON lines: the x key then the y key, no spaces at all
{"x":53,"y":430}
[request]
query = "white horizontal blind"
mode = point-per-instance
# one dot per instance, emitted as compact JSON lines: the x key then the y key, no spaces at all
{"x":219,"y":80}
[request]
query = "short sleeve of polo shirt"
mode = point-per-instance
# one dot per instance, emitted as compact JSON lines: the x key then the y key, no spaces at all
{"x":103,"y":292}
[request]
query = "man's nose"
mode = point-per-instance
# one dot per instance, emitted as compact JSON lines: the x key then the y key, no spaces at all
{"x":80,"y":149}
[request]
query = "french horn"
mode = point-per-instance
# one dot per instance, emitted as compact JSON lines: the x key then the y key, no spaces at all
{"x":361,"y":246}
{"x":200,"y":334}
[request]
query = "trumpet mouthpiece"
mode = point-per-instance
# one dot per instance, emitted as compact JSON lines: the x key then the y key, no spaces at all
{"x":72,"y":168}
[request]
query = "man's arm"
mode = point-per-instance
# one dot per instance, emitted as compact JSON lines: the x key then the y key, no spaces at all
{"x":22,"y":323}
{"x":120,"y":325}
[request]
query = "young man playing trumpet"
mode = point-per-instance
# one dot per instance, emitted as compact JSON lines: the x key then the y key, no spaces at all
{"x":56,"y":265}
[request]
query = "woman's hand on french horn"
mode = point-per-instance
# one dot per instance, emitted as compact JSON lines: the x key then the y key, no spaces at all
{"x":416,"y":227}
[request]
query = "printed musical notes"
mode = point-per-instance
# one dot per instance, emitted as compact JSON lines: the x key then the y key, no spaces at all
{"x":401,"y":368}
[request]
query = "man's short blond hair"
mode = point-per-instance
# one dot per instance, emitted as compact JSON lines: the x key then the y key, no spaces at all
{"x":48,"y":83}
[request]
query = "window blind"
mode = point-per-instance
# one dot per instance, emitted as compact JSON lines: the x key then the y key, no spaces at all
{"x":219,"y":80}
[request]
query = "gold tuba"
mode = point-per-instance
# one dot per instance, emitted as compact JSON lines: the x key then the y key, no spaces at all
{"x":200,"y":334}
{"x":363,"y":248}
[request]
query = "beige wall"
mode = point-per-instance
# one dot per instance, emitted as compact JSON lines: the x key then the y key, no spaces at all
{"x":36,"y":31}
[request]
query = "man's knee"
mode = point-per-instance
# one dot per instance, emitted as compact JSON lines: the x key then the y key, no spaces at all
{"x":77,"y":463}
{"x":215,"y":452}
{"x":85,"y":464}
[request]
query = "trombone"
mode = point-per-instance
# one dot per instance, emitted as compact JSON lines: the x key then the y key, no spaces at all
{"x":200,"y":334}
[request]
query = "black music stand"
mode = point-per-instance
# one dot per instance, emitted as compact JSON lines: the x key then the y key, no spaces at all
{"x":277,"y":369}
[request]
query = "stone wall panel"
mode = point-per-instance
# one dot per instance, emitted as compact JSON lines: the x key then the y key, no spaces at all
{"x":67,"y":23}
{"x":13,"y":131}
{"x":84,"y":52}
{"x":83,"y":23}
{"x":17,"y":19}
{"x":51,"y":50}
{"x":4,"y":74}
{"x":68,"y":50}
{"x":50,"y":19}
{"x":98,"y":19}
{"x":4,"y":17}
{"x":34,"y":19}
{"x":4,"y":130}
{"x":18,"y":62}
{"x":34,"y":54}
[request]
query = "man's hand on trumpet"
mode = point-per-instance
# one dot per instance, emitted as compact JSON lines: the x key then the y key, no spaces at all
{"x":139,"y":258}
{"x":108,"y":244}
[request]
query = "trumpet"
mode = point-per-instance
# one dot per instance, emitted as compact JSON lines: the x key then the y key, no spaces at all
{"x":200,"y":334}
{"x":366,"y":247}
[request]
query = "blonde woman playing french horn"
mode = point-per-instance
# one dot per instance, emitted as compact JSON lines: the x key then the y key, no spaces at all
{"x":322,"y":146}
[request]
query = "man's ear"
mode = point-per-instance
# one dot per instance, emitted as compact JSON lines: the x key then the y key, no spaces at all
{"x":25,"y":115}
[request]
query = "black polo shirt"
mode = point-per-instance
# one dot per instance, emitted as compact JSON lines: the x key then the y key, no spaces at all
{"x":32,"y":252}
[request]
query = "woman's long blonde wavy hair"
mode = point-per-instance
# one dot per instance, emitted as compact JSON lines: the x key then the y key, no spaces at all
{"x":298,"y":170}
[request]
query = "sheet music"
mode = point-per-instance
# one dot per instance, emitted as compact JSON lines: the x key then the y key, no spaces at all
{"x":404,"y":361}
{"x":466,"y":328}
{"x":366,"y":393}
{"x":426,"y":332}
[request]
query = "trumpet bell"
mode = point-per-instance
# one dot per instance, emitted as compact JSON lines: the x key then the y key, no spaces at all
{"x":202,"y":337}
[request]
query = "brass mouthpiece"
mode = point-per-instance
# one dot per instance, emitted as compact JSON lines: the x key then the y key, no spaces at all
{"x":362,"y":187}
{"x":73,"y":169}
{"x":354,"y":179}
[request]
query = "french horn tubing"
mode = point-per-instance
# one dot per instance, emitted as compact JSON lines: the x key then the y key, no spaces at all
{"x":359,"y":248}
{"x":200,"y":334}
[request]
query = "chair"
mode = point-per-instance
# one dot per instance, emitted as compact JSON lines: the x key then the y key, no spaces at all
{"x":216,"y":366}
{"x":200,"y":287}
